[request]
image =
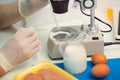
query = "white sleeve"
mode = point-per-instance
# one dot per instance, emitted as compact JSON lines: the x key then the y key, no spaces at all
{"x":4,"y":63}
{"x":26,"y":7}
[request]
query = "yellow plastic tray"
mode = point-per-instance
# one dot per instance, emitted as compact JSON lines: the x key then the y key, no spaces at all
{"x":42,"y":65}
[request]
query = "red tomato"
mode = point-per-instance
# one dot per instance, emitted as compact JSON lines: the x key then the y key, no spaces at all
{"x":49,"y":74}
{"x":32,"y":76}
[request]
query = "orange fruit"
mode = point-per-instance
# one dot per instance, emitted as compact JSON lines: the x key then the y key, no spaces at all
{"x":98,"y":58}
{"x":100,"y":70}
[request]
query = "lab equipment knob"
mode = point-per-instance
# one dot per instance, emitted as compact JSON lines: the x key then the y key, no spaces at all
{"x":59,"y":6}
{"x":88,"y":4}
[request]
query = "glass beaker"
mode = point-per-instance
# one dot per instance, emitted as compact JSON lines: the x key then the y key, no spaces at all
{"x":74,"y":55}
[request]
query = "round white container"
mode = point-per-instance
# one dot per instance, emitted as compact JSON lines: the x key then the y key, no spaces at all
{"x":75,"y":57}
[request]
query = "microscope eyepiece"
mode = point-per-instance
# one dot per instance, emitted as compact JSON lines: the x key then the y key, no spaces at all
{"x":59,"y":6}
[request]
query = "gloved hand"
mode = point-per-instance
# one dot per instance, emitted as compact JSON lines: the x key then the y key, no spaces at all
{"x":26,"y":7}
{"x":23,"y":45}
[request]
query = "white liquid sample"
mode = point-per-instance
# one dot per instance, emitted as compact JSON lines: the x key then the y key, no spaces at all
{"x":75,"y":59}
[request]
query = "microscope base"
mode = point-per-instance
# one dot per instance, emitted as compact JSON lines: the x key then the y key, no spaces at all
{"x":92,"y":42}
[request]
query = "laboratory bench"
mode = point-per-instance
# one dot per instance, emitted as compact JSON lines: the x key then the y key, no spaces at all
{"x":111,"y":51}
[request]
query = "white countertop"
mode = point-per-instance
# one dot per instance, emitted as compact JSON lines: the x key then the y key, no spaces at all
{"x":111,"y":51}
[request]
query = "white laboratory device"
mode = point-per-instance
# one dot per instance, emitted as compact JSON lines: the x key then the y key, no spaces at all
{"x":93,"y":39}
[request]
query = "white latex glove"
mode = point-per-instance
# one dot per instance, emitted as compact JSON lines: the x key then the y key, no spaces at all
{"x":26,"y":7}
{"x":23,"y":45}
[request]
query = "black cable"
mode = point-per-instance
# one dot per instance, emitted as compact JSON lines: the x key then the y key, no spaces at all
{"x":110,"y":43}
{"x":96,"y":19}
